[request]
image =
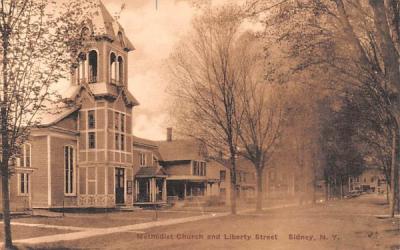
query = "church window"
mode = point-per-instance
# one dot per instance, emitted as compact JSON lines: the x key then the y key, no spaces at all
{"x":120,"y":75}
{"x":93,"y":66}
{"x":113,"y":67}
{"x":81,"y":67}
{"x":91,"y":119}
{"x":69,"y":166}
{"x":92,"y":140}
{"x":25,"y":160}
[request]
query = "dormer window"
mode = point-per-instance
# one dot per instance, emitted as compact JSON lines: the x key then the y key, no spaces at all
{"x":85,"y":33}
{"x":121,"y":39}
{"x":93,"y":66}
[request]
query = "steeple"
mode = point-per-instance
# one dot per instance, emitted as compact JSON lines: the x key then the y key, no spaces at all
{"x":103,"y":63}
{"x":105,"y":26}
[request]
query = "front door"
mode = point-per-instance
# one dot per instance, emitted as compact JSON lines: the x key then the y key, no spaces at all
{"x":119,"y":185}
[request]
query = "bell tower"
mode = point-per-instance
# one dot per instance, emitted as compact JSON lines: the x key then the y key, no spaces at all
{"x":104,"y":59}
{"x":105,"y":113}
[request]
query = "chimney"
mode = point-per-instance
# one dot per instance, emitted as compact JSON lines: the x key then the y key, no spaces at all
{"x":169,"y":134}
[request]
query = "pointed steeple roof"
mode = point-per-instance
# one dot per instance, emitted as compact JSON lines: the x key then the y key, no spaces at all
{"x":104,"y":25}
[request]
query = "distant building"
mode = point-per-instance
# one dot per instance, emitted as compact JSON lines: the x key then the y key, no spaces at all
{"x":185,"y":162}
{"x":371,"y":179}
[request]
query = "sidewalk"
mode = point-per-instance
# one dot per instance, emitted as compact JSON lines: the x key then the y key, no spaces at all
{"x":92,"y":232}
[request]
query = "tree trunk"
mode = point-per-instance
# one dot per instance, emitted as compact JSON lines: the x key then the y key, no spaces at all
{"x":387,"y":193}
{"x":341,"y":188}
{"x":233,"y":185}
{"x":326,"y":190}
{"x":392,"y":175}
{"x":259,"y":190}
{"x":5,"y":144}
{"x":6,"y":211}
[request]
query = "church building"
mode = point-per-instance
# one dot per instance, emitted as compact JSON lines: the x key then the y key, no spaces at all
{"x":85,"y":155}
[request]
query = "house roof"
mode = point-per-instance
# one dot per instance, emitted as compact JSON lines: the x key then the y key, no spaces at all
{"x":104,"y":25}
{"x":54,"y":115}
{"x":144,"y":142}
{"x":150,"y":172}
{"x":178,"y":150}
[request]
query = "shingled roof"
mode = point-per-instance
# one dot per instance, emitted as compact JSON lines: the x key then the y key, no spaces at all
{"x":150,"y":172}
{"x":104,"y":25}
{"x":180,"y":150}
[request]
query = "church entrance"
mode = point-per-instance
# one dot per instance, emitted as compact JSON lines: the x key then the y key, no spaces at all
{"x":119,"y":185}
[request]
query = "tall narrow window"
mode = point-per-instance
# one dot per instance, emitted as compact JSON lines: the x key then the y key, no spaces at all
{"x":92,"y":140}
{"x":25,"y":160}
{"x":222,"y":175}
{"x":122,"y":126}
{"x":122,"y":142}
{"x":117,"y":143}
{"x":81,"y":68}
{"x":91,"y":119}
{"x":92,"y":66}
{"x":142,"y":159}
{"x":116,"y":121}
{"x":113,"y":68}
{"x":23,"y":183}
{"x":120,"y":73}
{"x":69,"y":165}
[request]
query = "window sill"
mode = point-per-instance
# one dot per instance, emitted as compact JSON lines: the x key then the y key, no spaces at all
{"x":70,"y":195}
{"x":23,"y":195}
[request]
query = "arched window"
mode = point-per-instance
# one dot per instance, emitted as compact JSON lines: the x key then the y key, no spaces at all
{"x":113,"y":67}
{"x":120,"y":70}
{"x":81,"y":67}
{"x":93,"y":66}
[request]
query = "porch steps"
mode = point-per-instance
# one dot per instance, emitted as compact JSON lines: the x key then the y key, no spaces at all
{"x":128,"y":208}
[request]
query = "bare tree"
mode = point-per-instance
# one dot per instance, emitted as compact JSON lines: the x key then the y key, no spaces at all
{"x":206,"y":76}
{"x":262,"y":110}
{"x":355,"y":42}
{"x":39,"y":46}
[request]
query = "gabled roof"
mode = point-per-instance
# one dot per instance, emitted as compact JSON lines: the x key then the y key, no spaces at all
{"x":150,"y":172}
{"x":104,"y":25}
{"x":101,"y":89}
{"x":58,"y":113}
{"x":180,"y":150}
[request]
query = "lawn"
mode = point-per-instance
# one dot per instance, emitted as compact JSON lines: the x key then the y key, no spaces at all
{"x":349,"y":224}
{"x":105,"y":220}
{"x":22,"y":232}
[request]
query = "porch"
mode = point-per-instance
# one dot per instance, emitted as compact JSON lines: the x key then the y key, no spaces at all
{"x":189,"y":188}
{"x":150,"y":186}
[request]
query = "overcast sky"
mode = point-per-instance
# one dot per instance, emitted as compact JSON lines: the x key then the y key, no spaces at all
{"x":154,"y":33}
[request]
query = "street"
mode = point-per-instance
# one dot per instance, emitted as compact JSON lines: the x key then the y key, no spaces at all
{"x":349,"y":224}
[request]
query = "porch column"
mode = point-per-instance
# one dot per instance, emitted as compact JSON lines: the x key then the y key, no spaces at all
{"x":207,"y":193}
{"x":136,"y":190}
{"x":184,"y":193}
{"x":150,"y":185}
{"x":164,"y":191}
{"x":154,"y":189}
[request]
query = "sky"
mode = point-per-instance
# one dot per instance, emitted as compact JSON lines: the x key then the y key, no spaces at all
{"x":154,"y":32}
